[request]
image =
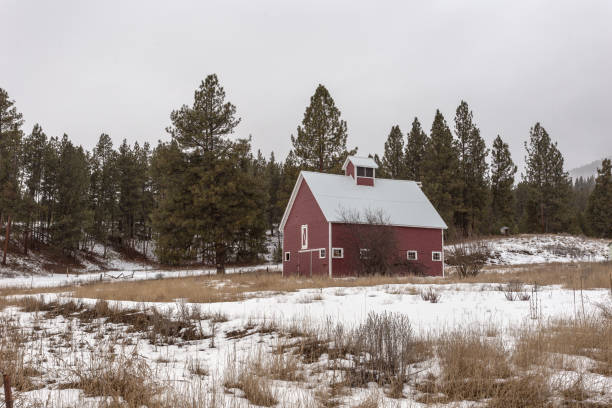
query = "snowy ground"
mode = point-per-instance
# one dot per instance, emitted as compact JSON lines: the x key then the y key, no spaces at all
{"x":59,"y":344}
{"x":462,"y":306}
{"x":55,"y":280}
{"x":545,"y":248}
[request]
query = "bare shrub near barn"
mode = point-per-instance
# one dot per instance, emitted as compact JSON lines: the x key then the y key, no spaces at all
{"x":372,"y":246}
{"x":469,"y":257}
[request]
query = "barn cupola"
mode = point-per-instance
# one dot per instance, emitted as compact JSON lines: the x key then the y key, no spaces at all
{"x":361,"y":169}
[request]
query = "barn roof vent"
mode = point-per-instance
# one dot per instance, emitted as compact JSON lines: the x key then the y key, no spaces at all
{"x":362,"y":169}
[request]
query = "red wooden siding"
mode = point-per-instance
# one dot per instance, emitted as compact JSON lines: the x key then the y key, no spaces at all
{"x":365,"y":181}
{"x":350,"y":170}
{"x":422,"y":240}
{"x":305,"y":211}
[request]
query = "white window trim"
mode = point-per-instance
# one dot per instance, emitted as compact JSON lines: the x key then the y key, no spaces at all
{"x":341,"y":253}
{"x":373,"y":172}
{"x":322,"y":253}
{"x":303,"y":241}
{"x":416,"y":255}
{"x":433,"y":256}
{"x":364,"y":253}
{"x":287,"y":256}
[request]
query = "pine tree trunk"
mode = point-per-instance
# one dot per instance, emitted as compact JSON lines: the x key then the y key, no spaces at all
{"x":220,"y":258}
{"x":6,"y":239}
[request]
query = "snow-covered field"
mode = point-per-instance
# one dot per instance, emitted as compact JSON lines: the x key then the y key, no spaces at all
{"x":479,"y":307}
{"x":215,"y":340}
{"x":545,"y":248}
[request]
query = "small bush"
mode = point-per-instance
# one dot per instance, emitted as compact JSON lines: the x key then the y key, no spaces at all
{"x":469,"y":257}
{"x":430,"y":295}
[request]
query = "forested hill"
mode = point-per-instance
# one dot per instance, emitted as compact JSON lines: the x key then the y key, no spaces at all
{"x":588,"y":170}
{"x":205,"y":196}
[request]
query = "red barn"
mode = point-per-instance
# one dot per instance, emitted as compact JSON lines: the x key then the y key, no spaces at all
{"x":316,"y":234}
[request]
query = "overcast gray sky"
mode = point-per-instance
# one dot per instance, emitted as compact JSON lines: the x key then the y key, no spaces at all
{"x":120,"y":67}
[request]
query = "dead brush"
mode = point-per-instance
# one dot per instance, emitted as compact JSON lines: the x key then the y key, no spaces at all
{"x":126,"y":379}
{"x":244,"y":376}
{"x":471,"y":367}
{"x":430,"y":295}
{"x":381,"y":350}
{"x":13,"y":359}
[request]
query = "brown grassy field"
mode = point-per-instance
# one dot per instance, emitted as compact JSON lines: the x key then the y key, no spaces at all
{"x":208,"y":289}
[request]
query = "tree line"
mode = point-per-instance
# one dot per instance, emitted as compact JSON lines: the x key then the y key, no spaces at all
{"x":206,"y":197}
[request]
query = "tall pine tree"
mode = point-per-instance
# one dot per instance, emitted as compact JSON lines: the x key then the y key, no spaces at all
{"x":218,"y":187}
{"x":599,"y":210}
{"x":416,"y":147}
{"x":393,"y":163}
{"x":502,"y":182}
{"x":441,"y":166}
{"x":10,"y":152}
{"x":549,"y":192}
{"x":320,"y":144}
{"x":473,"y":170}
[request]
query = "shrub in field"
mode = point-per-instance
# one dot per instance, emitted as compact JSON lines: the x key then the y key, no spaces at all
{"x":381,"y":349}
{"x":246,"y":376}
{"x":469,"y":257}
{"x":430,"y":295}
{"x":124,"y":378}
{"x":515,"y":290}
{"x":471,"y":366}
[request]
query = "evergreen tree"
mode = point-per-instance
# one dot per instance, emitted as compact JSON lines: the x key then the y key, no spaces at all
{"x":502,"y":182}
{"x":393,"y":163}
{"x":216,"y":180}
{"x":415,"y":151}
{"x":10,"y":151}
{"x":104,"y":190}
{"x":34,"y":146}
{"x":473,"y":170}
{"x":204,"y":125}
{"x":549,"y":184}
{"x":599,"y":210}
{"x":71,"y":207}
{"x":289,"y":175}
{"x":582,"y":189}
{"x":173,"y":217}
{"x":320,"y":144}
{"x":440,"y":181}
{"x":274,"y":179}
{"x":49,"y":187}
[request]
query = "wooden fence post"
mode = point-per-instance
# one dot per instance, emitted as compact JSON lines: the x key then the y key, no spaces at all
{"x":8,"y":396}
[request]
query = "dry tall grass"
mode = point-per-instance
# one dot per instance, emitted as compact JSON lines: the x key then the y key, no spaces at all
{"x":231,"y":288}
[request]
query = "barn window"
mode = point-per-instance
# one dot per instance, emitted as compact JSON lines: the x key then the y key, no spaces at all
{"x":365,"y":172}
{"x":337,"y":252}
{"x":304,"y":235}
{"x":287,"y":256}
{"x":436,"y":256}
{"x":412,"y":255}
{"x":364,"y":253}
{"x":322,"y":253}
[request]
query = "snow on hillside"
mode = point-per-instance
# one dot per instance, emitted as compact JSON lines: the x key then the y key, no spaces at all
{"x":545,"y":248}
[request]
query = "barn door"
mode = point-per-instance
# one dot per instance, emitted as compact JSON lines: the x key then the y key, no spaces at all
{"x":305,"y":263}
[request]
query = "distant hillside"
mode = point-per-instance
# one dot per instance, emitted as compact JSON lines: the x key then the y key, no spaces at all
{"x":587,"y":170}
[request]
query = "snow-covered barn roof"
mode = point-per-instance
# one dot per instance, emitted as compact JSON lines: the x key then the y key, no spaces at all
{"x":360,"y":162}
{"x":402,"y":202}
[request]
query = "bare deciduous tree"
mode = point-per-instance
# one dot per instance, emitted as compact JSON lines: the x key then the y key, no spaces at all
{"x":469,"y":257}
{"x":372,"y":246}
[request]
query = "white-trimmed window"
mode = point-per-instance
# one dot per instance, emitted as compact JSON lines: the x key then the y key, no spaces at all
{"x":322,"y":253}
{"x":412,"y":255}
{"x":365,"y":172}
{"x":436,"y":256}
{"x":337,"y":252}
{"x":287,"y":256}
{"x":364,"y":253}
{"x":304,"y":236}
